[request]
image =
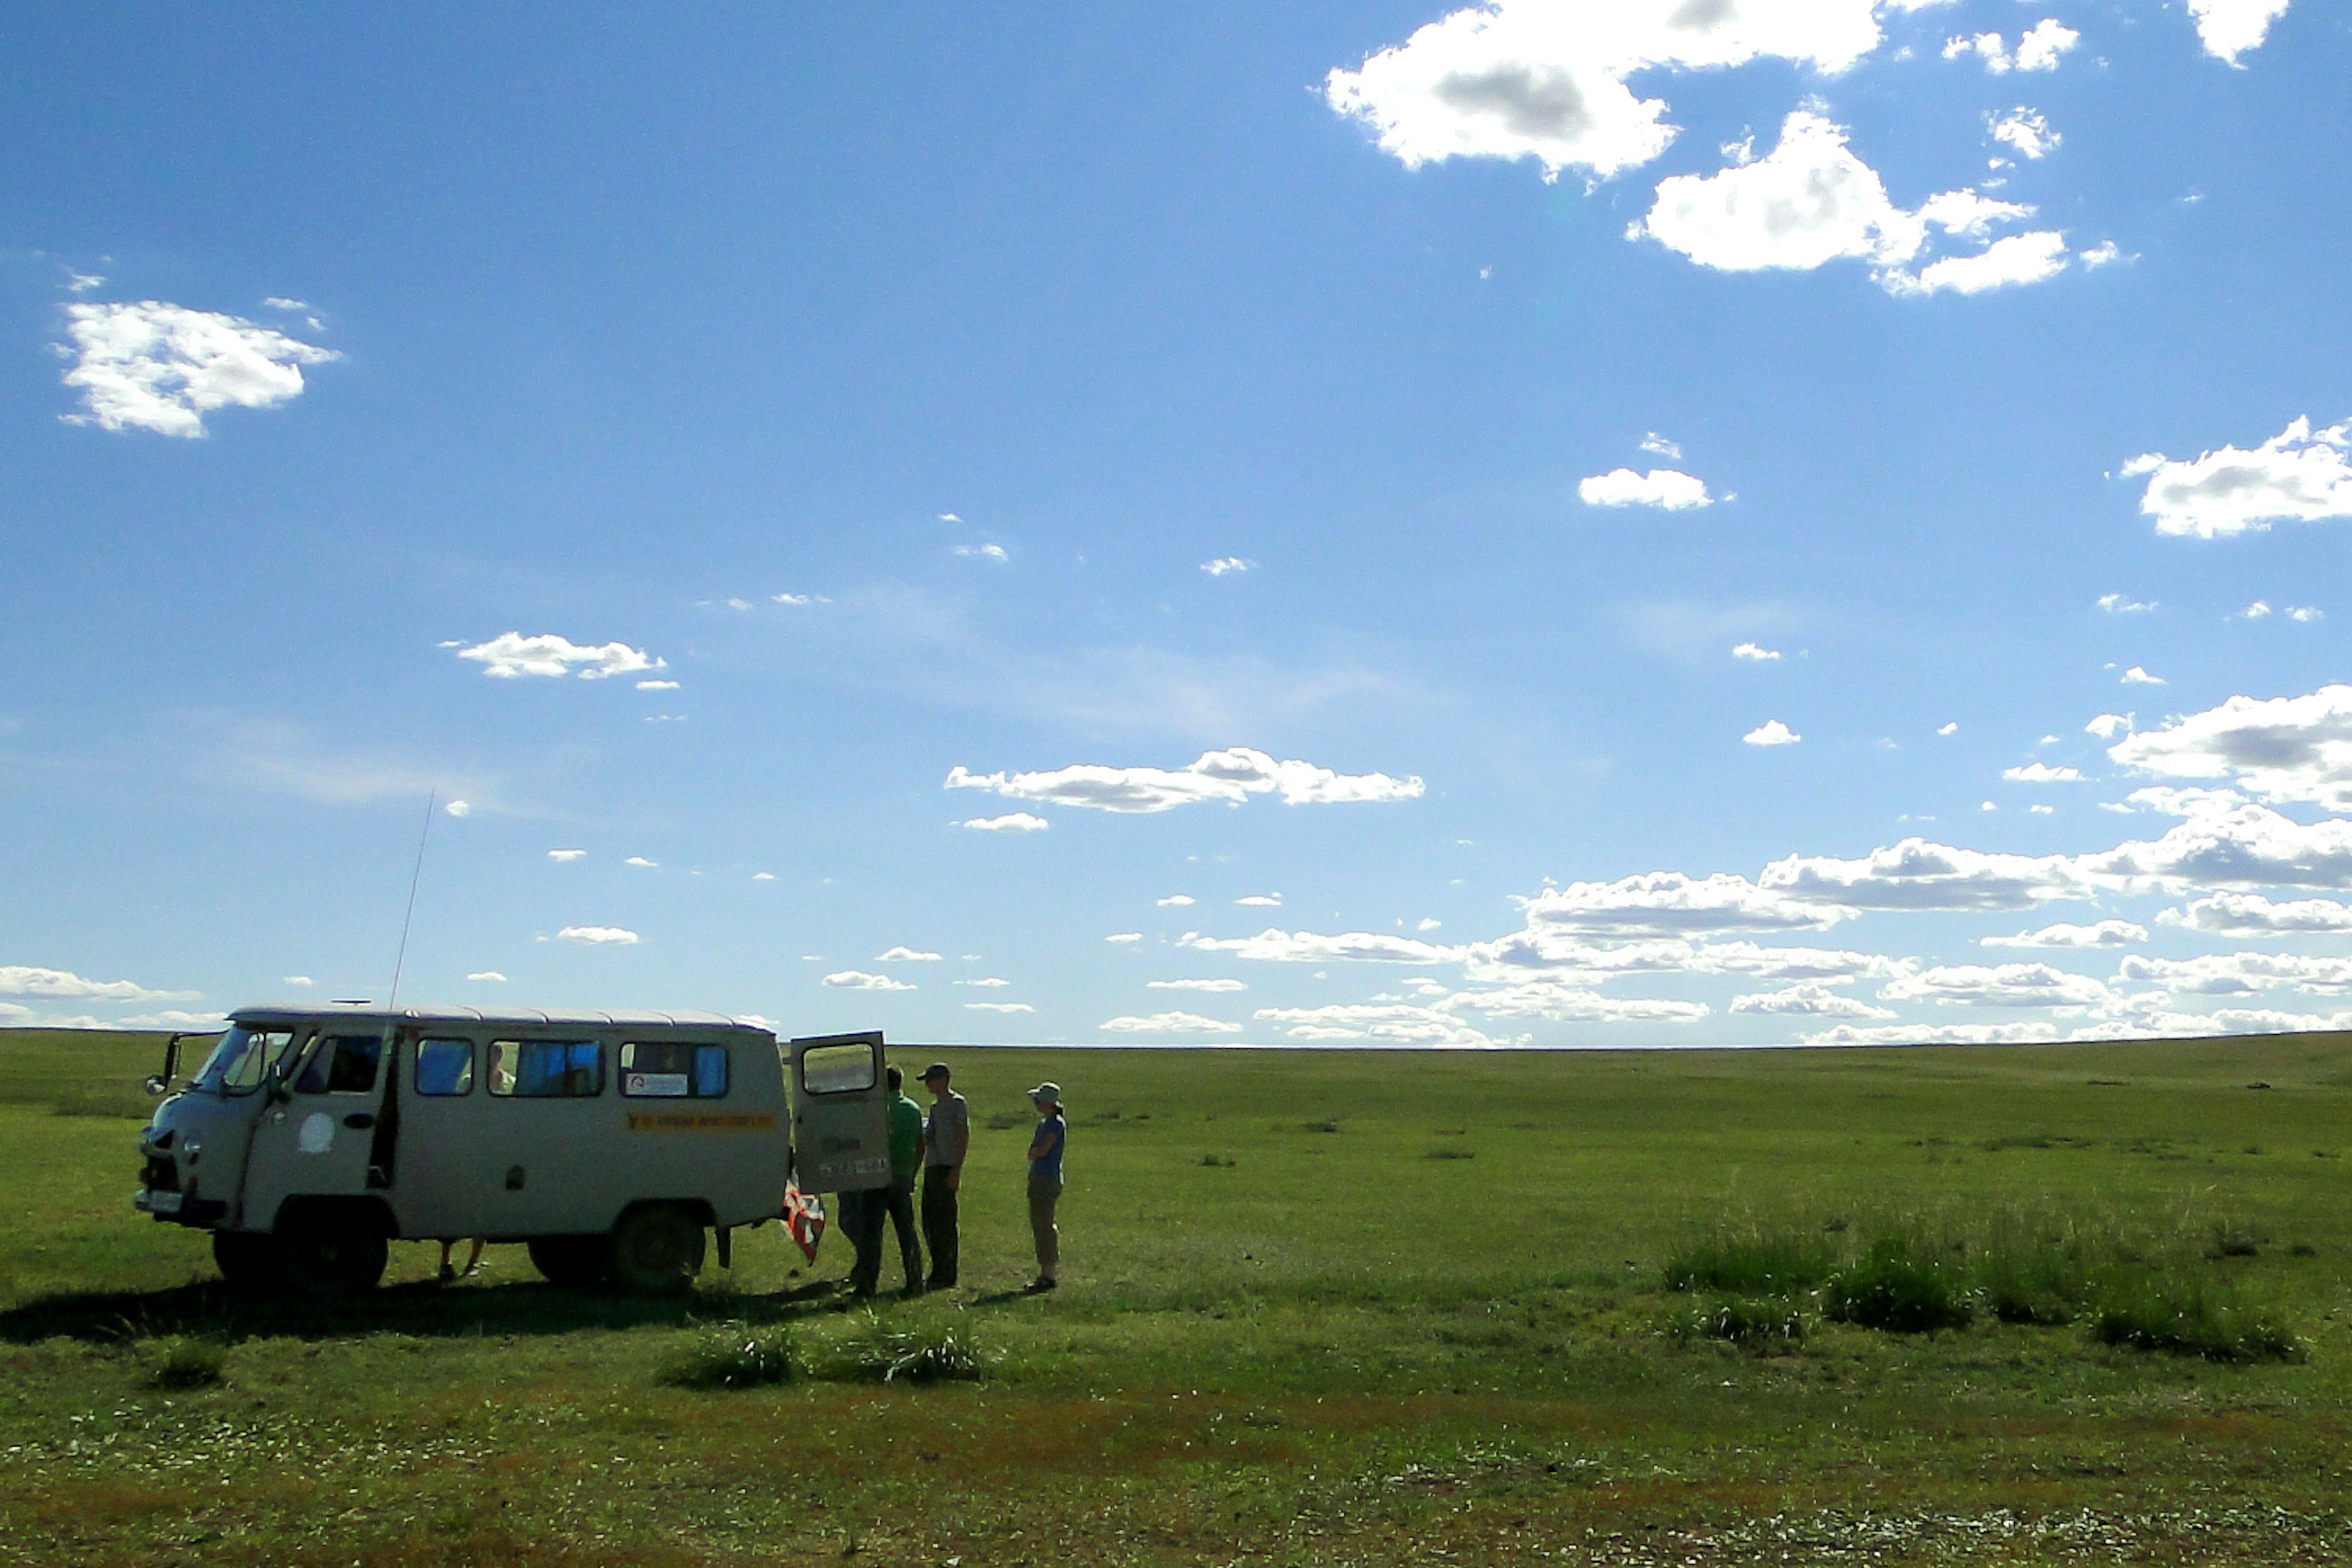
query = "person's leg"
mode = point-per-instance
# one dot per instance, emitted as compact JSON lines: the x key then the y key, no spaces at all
{"x":1043,"y":1197}
{"x":902,"y":1220}
{"x":474,"y":1256}
{"x":861,"y":1221}
{"x":939,"y":1226}
{"x":445,"y":1273}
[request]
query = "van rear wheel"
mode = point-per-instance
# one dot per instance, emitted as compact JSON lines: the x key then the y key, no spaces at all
{"x":657,"y":1249}
{"x":577,"y":1262}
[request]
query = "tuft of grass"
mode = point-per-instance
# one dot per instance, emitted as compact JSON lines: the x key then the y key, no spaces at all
{"x":1898,"y":1285}
{"x":733,"y":1355}
{"x":177,"y":1362}
{"x":1330,"y":1125}
{"x":2186,"y":1317}
{"x":1751,"y":1324}
{"x":927,"y":1352}
{"x":2227,"y":1240}
{"x":1451,"y":1154}
{"x":1752,"y":1261}
{"x":2036,"y":1268}
{"x":1215,"y":1162}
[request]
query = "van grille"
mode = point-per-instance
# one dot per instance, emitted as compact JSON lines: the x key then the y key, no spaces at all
{"x":163,"y":1174}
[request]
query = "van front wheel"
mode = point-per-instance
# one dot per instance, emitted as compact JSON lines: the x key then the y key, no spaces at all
{"x":346,"y":1261}
{"x":252,"y":1264}
{"x":657,"y":1249}
{"x":575,"y":1262}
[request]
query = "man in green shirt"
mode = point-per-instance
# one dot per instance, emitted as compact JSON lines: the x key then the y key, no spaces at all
{"x":906,"y":1160}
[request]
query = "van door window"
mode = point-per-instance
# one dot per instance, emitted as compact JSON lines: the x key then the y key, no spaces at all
{"x":445,"y":1067}
{"x":837,"y":1069}
{"x":343,"y":1064}
{"x":547,"y":1069}
{"x":671,"y":1070}
{"x":244,"y":1056}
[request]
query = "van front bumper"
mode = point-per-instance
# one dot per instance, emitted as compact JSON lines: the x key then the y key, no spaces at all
{"x":179,"y":1208}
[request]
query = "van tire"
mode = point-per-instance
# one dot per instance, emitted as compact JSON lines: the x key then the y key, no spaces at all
{"x":334,"y":1260}
{"x":575,"y":1262}
{"x":657,"y":1249}
{"x":252,"y":1265}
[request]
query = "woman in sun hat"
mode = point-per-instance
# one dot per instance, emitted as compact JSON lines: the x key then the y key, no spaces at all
{"x":1045,"y":1182}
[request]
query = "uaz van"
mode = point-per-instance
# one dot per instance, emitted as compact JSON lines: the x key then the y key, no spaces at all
{"x":608,"y":1143}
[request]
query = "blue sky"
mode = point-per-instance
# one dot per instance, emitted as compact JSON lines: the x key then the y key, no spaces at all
{"x":1681,"y":523}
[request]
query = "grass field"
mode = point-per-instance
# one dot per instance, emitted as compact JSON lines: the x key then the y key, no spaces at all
{"x":1320,"y":1308}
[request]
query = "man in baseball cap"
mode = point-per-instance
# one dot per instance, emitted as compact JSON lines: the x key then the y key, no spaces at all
{"x":946,"y":1137}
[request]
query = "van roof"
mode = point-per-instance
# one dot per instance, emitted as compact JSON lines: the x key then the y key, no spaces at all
{"x":352,"y":1012}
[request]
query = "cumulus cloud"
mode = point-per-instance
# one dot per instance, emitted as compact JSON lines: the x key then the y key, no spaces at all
{"x":510,"y":655}
{"x":1772,"y":732}
{"x":1389,"y":1023}
{"x":2107,"y":726}
{"x":984,"y":552}
{"x":859,"y":980}
{"x":64,"y":985}
{"x":1809,"y":1001}
{"x":905,"y":954}
{"x":1669,"y":489}
{"x":1194,"y":985}
{"x":1230,"y":776}
{"x":2274,"y":749}
{"x":2025,"y":132}
{"x":305,"y":981}
{"x":2239,"y":973}
{"x":150,"y":365}
{"x":2039,"y":47}
{"x":1810,"y":202}
{"x":1671,"y":903}
{"x":1272,"y":946}
{"x":2250,"y":914}
{"x":1999,"y":985}
{"x":1260,"y":902}
{"x":1168,"y":1024}
{"x":2135,"y":676}
{"x":488,"y":977}
{"x":2229,"y":28}
{"x":658,"y":686}
{"x":2116,"y":605}
{"x":1174,"y":902}
{"x":1755,"y":653}
{"x":2104,"y":934}
{"x":1916,"y":874}
{"x":598,"y":936}
{"x":2041,"y":773}
{"x":642,"y":863}
{"x":1223,"y":564}
{"x":986,"y":982}
{"x":2018,"y":259}
{"x":1563,"y":1003}
{"x":1934,"y":1035}
{"x":566,"y":855}
{"x":998,"y":1007}
{"x":2243,"y":846}
{"x":2299,"y":474}
{"x":1124,"y":938}
{"x":1010,"y":822}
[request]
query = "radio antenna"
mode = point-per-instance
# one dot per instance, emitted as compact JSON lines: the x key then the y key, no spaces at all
{"x":399,"y":963}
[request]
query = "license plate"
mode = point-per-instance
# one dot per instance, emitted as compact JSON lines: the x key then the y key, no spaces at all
{"x":158,"y":1202}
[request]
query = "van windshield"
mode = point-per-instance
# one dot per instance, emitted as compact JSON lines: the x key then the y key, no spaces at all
{"x":244,"y":1056}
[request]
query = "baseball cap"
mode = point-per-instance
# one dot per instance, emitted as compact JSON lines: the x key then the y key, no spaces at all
{"x":1051,"y":1093}
{"x":936,"y":1069}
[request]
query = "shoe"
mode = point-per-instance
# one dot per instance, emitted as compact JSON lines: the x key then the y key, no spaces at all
{"x":471,"y":1269}
{"x":939,"y":1284}
{"x":445,"y":1275}
{"x":1040,"y":1285}
{"x":914,"y":1288}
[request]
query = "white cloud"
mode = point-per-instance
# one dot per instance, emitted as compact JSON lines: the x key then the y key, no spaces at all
{"x":2024,"y":130}
{"x":83,"y":282}
{"x":1230,"y":776}
{"x":1168,"y":1024}
{"x":2274,"y":749}
{"x":2135,"y":676}
{"x":1914,"y":874}
{"x":2107,"y":726}
{"x":642,"y":863}
{"x":905,"y":954}
{"x":1124,"y":938}
{"x":2116,"y":605}
{"x":998,"y":1007}
{"x":2105,"y":933}
{"x":2245,"y":847}
{"x":2250,"y":914}
{"x":1261,"y":901}
{"x":511,"y":653}
{"x":1566,"y":1003}
{"x":1667,"y":488}
{"x":1755,"y":653}
{"x":763,"y":875}
{"x":278,"y":302}
{"x":1950,"y":728}
{"x":1999,"y":985}
{"x":1809,"y":1001}
{"x":62,"y":985}
{"x":2041,"y":772}
{"x":2227,"y":28}
{"x":658,"y":686}
{"x":1772,"y":732}
{"x":2239,"y":973}
{"x":566,"y":855}
{"x":169,"y":1018}
{"x":1272,"y":946}
{"x":1672,"y":904}
{"x":300,"y":980}
{"x":162,"y":367}
{"x":1934,"y":1035}
{"x":986,"y":983}
{"x":2038,"y":48}
{"x":1390,"y":1023}
{"x":2299,"y":474}
{"x":1174,"y":902}
{"x":1808,"y":203}
{"x":1010,"y":822}
{"x":797,"y":600}
{"x":2020,"y":258}
{"x":2099,"y":254}
{"x":487,"y":976}
{"x":598,"y":936}
{"x":859,"y":980}
{"x":1428,"y":923}
{"x":1194,"y":985}
{"x":984,"y":552}
{"x":459,"y":808}
{"x":1968,"y":213}
{"x":1224,"y":564}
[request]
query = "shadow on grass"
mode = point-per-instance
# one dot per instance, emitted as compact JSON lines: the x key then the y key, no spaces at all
{"x":212,"y":1311}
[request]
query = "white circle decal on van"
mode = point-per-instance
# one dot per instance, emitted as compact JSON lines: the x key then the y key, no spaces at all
{"x":318,"y":1134}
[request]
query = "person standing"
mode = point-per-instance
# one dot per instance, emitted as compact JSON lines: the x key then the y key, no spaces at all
{"x":946,"y":1137}
{"x":897,"y":1200}
{"x":1046,"y":1183}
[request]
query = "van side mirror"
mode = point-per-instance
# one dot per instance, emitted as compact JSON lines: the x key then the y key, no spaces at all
{"x":157,"y":1083}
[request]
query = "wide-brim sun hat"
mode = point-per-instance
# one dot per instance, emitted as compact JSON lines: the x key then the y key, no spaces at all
{"x":1051,"y":1093}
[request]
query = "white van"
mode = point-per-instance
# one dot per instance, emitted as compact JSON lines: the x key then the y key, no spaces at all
{"x":609,"y":1142}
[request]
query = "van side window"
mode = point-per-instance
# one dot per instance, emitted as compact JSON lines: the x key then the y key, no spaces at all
{"x":445,"y":1067}
{"x":837,"y":1069}
{"x":547,"y":1069}
{"x":673,"y":1069}
{"x":343,"y":1064}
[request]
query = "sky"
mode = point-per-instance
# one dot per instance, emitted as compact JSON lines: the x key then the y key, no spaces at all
{"x":1672,"y":522}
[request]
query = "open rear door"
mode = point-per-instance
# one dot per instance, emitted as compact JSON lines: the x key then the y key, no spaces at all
{"x":841,"y":1114}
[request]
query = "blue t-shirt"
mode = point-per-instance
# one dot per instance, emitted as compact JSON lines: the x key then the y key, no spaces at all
{"x":1048,"y":1165}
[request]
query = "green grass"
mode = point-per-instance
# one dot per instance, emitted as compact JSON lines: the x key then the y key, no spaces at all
{"x":1291,"y":1331}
